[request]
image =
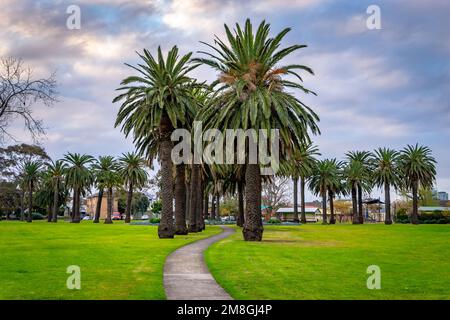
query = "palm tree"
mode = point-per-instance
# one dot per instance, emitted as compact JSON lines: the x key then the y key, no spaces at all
{"x":154,"y":103}
{"x":111,"y":180}
{"x":252,"y":96}
{"x":417,"y":167}
{"x":358,"y":176}
{"x":31,"y":175}
{"x":56,"y":171}
{"x":78,"y":178}
{"x":385,"y":175}
{"x":325,"y":177}
{"x":100,"y":168}
{"x":133,"y":174}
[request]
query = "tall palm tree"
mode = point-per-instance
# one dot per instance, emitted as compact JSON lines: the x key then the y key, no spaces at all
{"x":154,"y":103}
{"x":252,"y":96}
{"x":78,"y":178}
{"x":359,"y":179}
{"x":111,"y":180}
{"x":100,"y":169}
{"x":418,"y":169}
{"x":31,"y":174}
{"x":56,"y":171}
{"x":385,"y":174}
{"x":133,"y":173}
{"x":325,"y":177}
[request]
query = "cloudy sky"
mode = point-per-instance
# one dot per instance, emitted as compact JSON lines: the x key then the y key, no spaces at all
{"x":387,"y":87}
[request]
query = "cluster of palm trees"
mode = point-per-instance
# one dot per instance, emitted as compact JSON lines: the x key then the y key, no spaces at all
{"x":78,"y":173}
{"x":254,"y":90}
{"x":405,"y":170}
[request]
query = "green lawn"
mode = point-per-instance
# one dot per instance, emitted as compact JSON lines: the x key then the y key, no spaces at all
{"x":330,"y":262}
{"x":117,"y":261}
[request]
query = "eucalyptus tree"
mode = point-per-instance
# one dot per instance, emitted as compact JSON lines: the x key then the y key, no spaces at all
{"x":100,"y":169}
{"x":31,"y":174}
{"x":154,"y":103}
{"x":252,"y":96}
{"x":385,"y":175}
{"x":56,"y":172}
{"x":132,"y":172}
{"x":418,"y":169}
{"x":78,"y":177}
{"x":325,"y":176}
{"x":358,"y":175}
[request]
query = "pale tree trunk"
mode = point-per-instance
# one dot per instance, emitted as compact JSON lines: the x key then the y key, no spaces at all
{"x":213,"y":207}
{"x":193,"y":223}
{"x":98,"y":207}
{"x":414,"y":214}
{"x":180,"y":200}
{"x":129,"y":203}
{"x":302,"y":199}
{"x":387,"y":204}
{"x":240,"y":218}
{"x":253,"y":227}
{"x":109,"y":207}
{"x":295,"y":181}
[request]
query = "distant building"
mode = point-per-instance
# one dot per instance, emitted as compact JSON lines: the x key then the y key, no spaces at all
{"x":287,"y":214}
{"x":91,"y":205}
{"x":442,"y":196}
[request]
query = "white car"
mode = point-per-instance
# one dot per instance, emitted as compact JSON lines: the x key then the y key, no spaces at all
{"x":145,"y":217}
{"x":87,"y":218}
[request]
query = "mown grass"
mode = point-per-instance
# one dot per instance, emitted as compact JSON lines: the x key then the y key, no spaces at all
{"x":117,"y":261}
{"x":330,"y":262}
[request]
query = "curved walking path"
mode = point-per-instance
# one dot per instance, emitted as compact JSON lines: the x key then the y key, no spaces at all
{"x":186,"y":276}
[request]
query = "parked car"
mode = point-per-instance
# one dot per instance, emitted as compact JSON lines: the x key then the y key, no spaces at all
{"x":117,"y":216}
{"x":145,"y":217}
{"x":87,"y":218}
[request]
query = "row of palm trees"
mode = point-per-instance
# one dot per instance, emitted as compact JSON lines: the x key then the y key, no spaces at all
{"x":405,"y":170}
{"x":251,"y":92}
{"x":78,"y":173}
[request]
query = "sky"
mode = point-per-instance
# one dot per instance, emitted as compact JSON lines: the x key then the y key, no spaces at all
{"x":376,"y":87}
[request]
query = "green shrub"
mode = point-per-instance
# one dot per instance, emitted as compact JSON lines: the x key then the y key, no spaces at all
{"x":37,"y":216}
{"x":274,"y":221}
{"x":155,"y":220}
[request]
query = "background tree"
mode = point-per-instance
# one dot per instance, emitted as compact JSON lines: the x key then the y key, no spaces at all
{"x":111,"y":180}
{"x":133,"y":174}
{"x":56,"y":171}
{"x":31,"y":175}
{"x":100,"y":169}
{"x":417,"y":167}
{"x":18,"y":92}
{"x":78,"y":178}
{"x":385,"y":174}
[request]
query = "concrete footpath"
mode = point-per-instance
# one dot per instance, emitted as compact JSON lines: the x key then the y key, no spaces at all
{"x":186,"y":276}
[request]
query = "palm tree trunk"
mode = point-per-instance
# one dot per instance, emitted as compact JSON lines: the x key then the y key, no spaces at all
{"x":166,"y":228}
{"x":414,"y":214}
{"x":109,"y":210}
{"x":302,"y":199}
{"x":180,"y":200}
{"x":76,"y":214}
{"x":205,"y":204}
{"x":49,"y":212}
{"x":324,"y":208}
{"x":213,"y":207}
{"x":129,"y":202}
{"x":30,"y":202}
{"x":240,"y":218}
{"x":22,"y":205}
{"x":332,"y":216}
{"x":253,"y":227}
{"x":217,"y":206}
{"x":387,"y":204}
{"x":98,"y":207}
{"x":360,"y":205}
{"x":193,"y":215}
{"x":354,"y":205}
{"x":200,"y":218}
{"x":295,"y":181}
{"x":55,"y":202}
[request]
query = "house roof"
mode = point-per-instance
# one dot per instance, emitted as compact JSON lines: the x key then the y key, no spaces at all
{"x":434,"y":208}
{"x":308,"y":209}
